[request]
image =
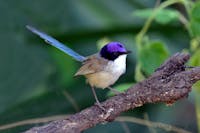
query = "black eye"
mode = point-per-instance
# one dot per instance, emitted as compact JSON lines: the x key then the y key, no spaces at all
{"x":120,"y":45}
{"x":116,"y":53}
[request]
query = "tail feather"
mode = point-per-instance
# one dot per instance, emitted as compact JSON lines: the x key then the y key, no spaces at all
{"x":50,"y":40}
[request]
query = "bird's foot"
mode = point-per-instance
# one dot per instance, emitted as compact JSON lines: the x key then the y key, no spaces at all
{"x":100,"y":106}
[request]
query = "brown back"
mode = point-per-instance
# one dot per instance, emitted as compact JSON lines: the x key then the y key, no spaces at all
{"x":92,"y":64}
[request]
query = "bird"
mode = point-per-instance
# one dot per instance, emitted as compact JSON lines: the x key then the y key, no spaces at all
{"x":101,"y":69}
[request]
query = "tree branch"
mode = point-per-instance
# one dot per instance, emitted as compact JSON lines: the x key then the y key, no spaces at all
{"x":169,"y":83}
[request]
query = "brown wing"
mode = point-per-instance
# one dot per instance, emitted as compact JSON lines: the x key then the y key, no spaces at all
{"x":93,"y":64}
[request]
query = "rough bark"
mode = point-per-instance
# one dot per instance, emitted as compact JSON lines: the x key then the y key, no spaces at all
{"x":169,"y":83}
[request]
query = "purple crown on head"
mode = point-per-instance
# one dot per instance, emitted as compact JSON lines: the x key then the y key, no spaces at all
{"x":113,"y":50}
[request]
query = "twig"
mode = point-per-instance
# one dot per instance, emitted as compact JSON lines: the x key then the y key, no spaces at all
{"x":125,"y":127}
{"x":146,"y":117}
{"x":167,"y":84}
{"x":157,"y":3}
{"x":71,"y":100}
{"x":32,"y":121}
{"x":121,"y":119}
{"x":148,"y":123}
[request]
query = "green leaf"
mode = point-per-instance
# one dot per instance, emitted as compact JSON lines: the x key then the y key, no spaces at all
{"x":195,"y":59}
{"x":195,"y":19}
{"x":163,"y":16}
{"x":194,"y":44}
{"x":120,"y":88}
{"x":195,"y":11}
{"x":195,"y":27}
{"x":152,"y":55}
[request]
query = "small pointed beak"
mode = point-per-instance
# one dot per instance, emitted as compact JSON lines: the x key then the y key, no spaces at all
{"x":127,"y":52}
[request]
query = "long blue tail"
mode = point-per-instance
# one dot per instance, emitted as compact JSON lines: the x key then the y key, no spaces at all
{"x":50,"y":40}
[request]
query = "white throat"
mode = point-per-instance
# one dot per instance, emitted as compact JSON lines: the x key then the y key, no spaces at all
{"x":118,"y":66}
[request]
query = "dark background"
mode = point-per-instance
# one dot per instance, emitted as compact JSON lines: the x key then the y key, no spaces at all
{"x":35,"y":77}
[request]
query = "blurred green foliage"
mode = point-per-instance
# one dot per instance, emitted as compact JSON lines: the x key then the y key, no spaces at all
{"x":37,"y":80}
{"x":164,"y":16}
{"x":195,"y":19}
{"x":153,"y":53}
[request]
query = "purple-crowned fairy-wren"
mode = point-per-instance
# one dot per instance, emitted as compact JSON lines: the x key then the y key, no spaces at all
{"x":101,"y":69}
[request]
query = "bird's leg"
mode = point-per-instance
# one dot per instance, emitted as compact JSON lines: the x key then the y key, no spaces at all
{"x":97,"y":100}
{"x":116,"y":92}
